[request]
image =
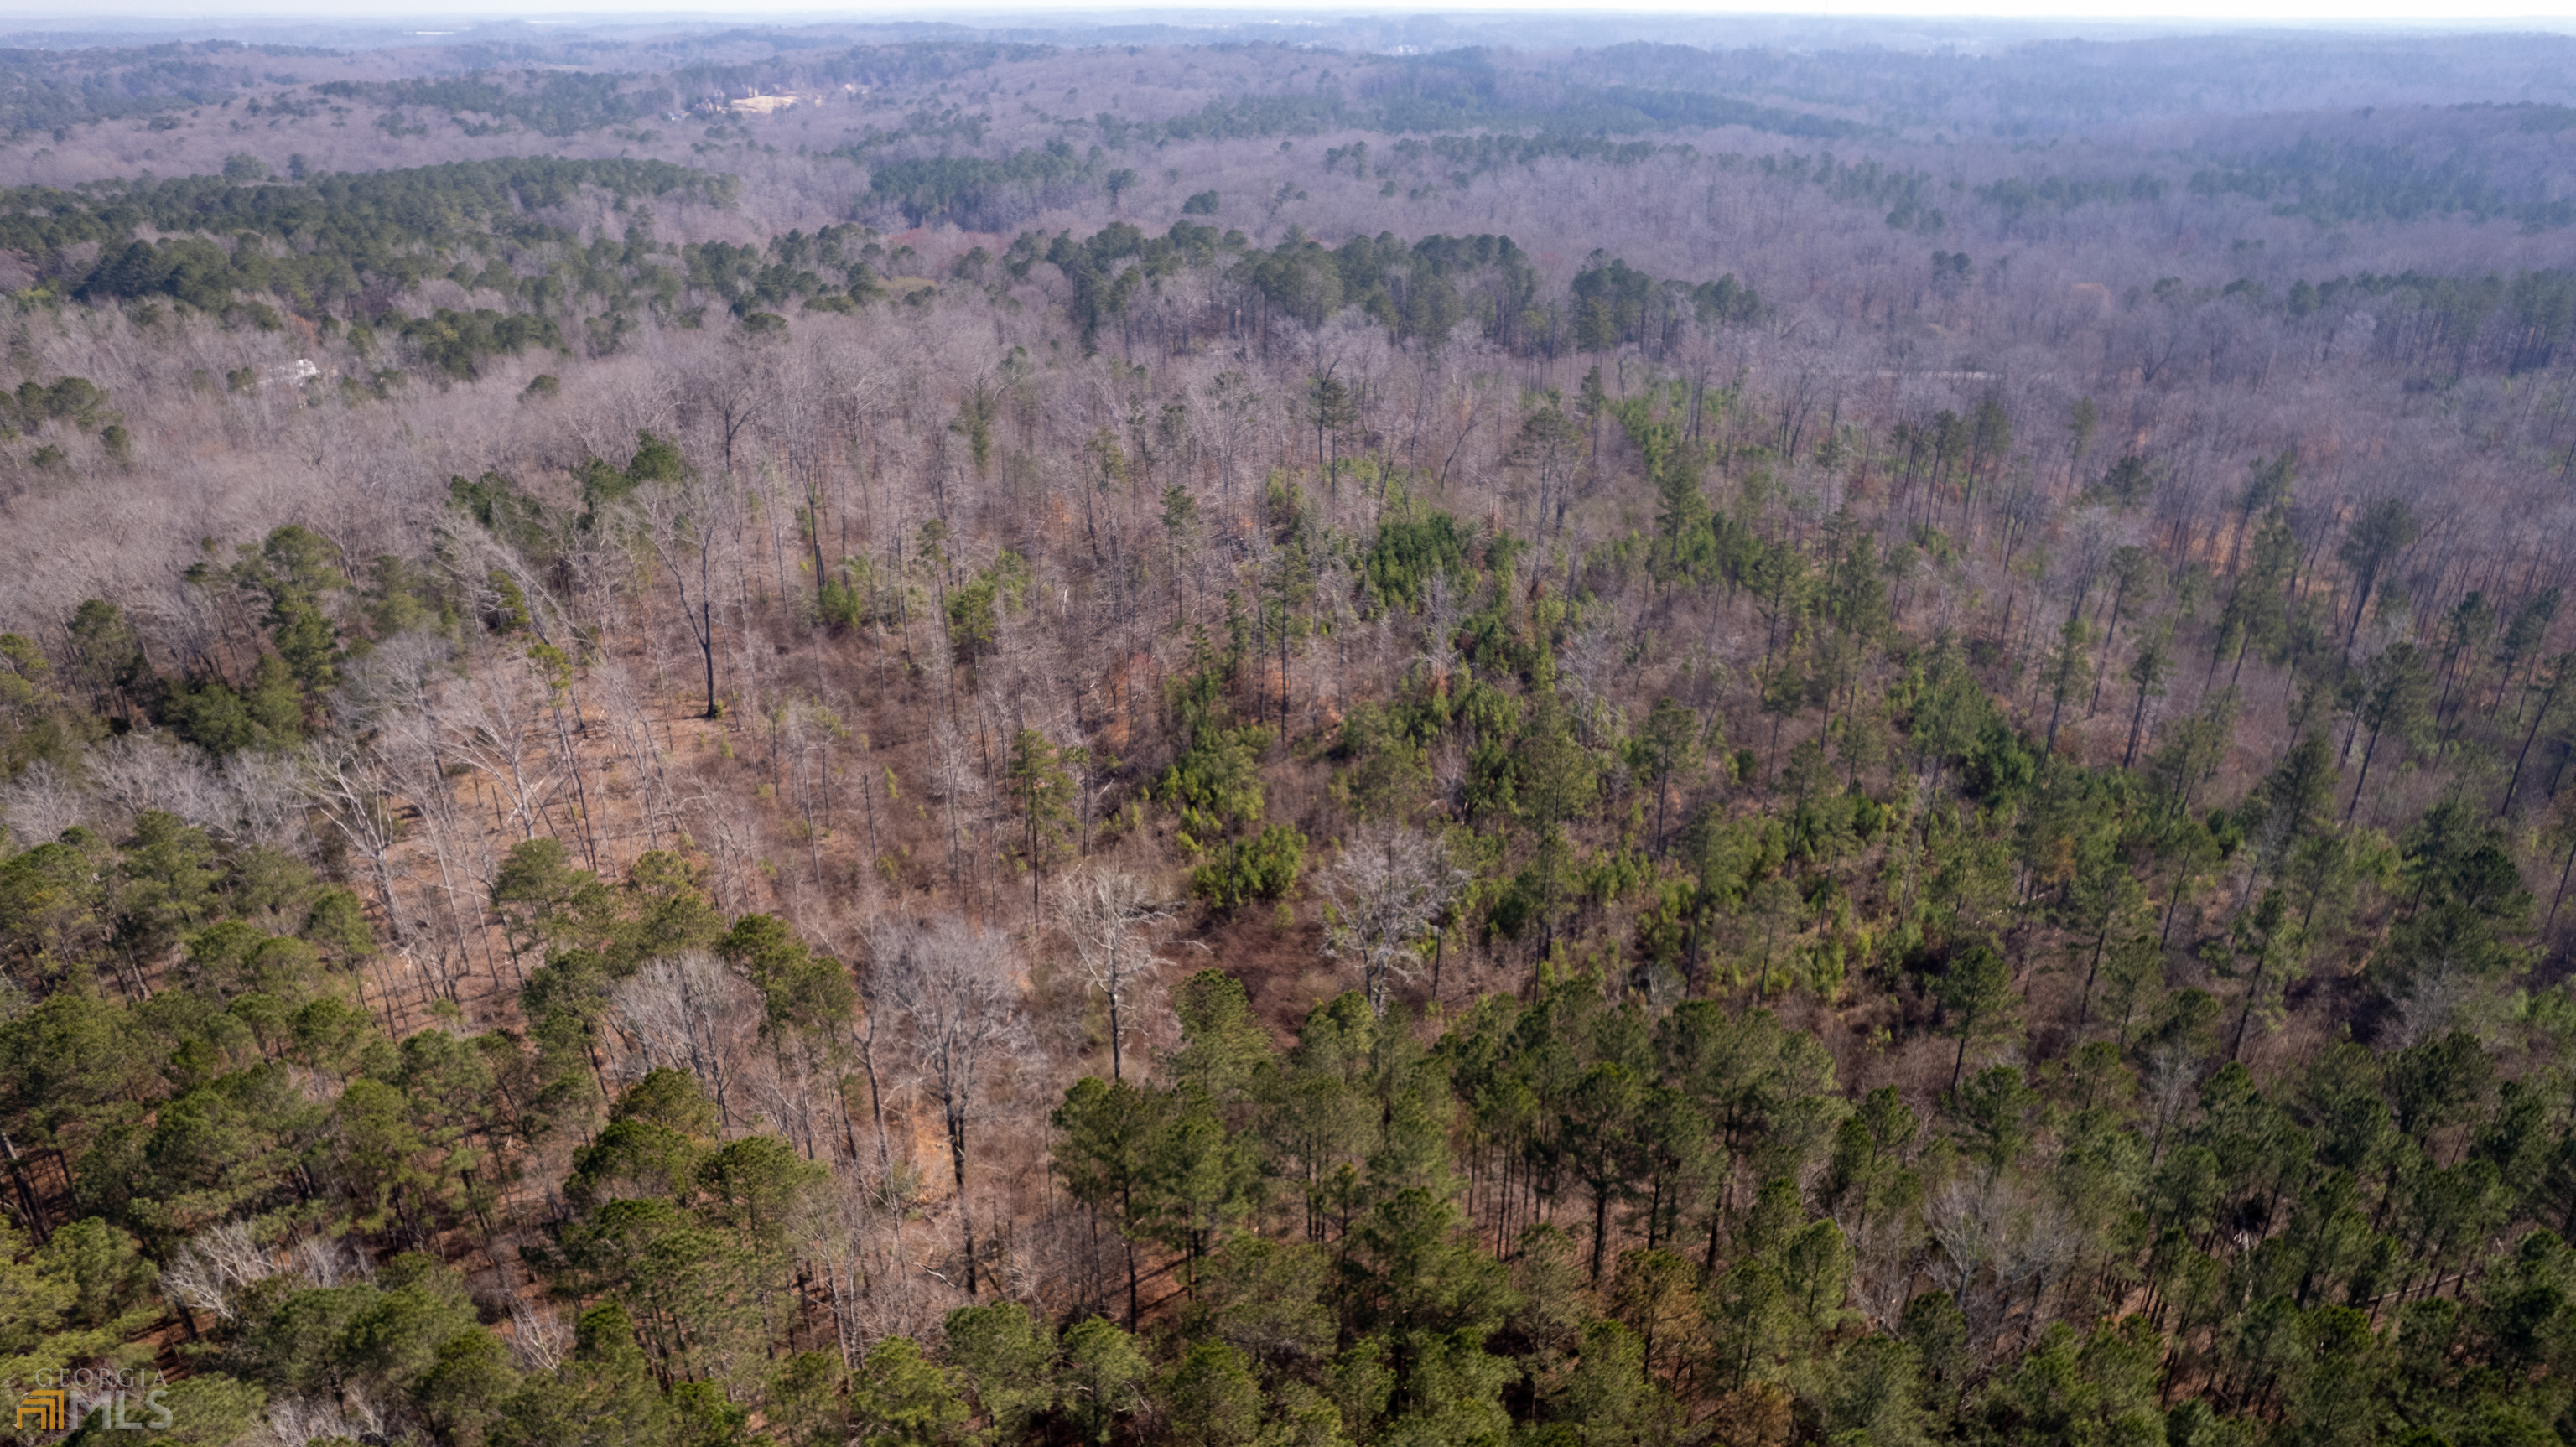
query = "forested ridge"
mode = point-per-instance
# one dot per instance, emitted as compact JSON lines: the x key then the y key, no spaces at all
{"x":1368,"y":749}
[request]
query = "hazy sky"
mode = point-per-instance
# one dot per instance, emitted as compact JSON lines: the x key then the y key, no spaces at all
{"x":2313,"y":11}
{"x":2552,"y":14}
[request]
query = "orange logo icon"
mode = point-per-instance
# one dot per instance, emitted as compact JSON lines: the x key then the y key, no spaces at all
{"x":46,"y":1406}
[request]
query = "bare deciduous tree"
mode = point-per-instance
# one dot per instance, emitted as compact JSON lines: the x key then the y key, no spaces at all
{"x":690,"y":1013}
{"x":39,"y":804}
{"x":1111,"y":916}
{"x":502,"y":731}
{"x":208,"y":1272}
{"x":955,"y":994}
{"x":537,"y":1337}
{"x":687,"y":522}
{"x":1390,"y":884}
{"x":148,"y":770}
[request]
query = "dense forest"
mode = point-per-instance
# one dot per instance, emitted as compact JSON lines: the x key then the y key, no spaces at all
{"x":1668,"y":736}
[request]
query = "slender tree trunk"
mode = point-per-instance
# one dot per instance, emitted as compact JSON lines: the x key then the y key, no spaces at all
{"x":965,"y":1217}
{"x":2084,"y":1008}
{"x":2137,"y":724}
{"x":2364,"y":781}
{"x":2542,"y":712}
{"x":1600,"y":1229}
{"x":2561,"y":895}
{"x":2253,"y":991}
{"x":707,"y":647}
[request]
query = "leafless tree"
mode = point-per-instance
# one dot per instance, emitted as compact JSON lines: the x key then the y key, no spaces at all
{"x":1442,"y":609}
{"x":298,"y":1421}
{"x":537,"y":1337}
{"x":326,"y":1261}
{"x":39,"y":804}
{"x":1993,"y":1242}
{"x":687,"y":523}
{"x":500,"y":728}
{"x":208,"y":1272}
{"x":2173,"y":1076}
{"x":1883,"y":1269}
{"x":149,"y":770}
{"x":264,"y":799}
{"x":690,"y":1013}
{"x":632,"y":729}
{"x":1390,"y":885}
{"x":955,"y":994}
{"x":1111,"y":916}
{"x":1591,"y":661}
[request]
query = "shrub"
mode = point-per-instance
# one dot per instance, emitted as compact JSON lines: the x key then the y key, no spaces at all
{"x":1243,"y":870}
